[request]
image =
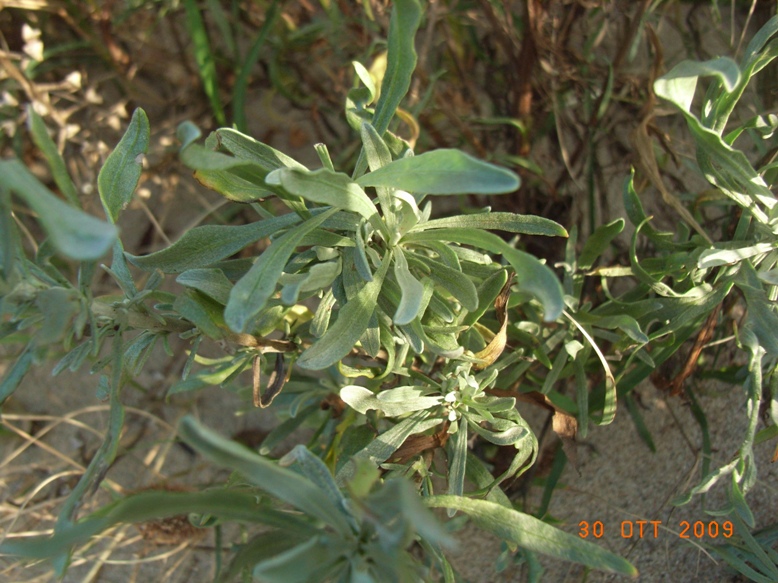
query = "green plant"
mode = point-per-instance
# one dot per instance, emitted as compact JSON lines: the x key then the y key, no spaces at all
{"x":423,"y":311}
{"x":396,"y":339}
{"x":706,"y":271}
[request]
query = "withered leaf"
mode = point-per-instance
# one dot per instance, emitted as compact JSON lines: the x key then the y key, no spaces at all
{"x":274,"y":384}
{"x":494,"y":349}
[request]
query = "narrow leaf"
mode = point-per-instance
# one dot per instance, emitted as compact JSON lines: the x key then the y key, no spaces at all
{"x":308,"y":561}
{"x":392,"y":402}
{"x":533,"y":534}
{"x":718,"y":257}
{"x":205,"y":245}
{"x":284,"y":484}
{"x":487,"y":293}
{"x":531,"y":275}
{"x":353,"y":319}
{"x":313,"y":468}
{"x":325,"y":187}
{"x":252,"y":291}
{"x":406,"y":16}
{"x":321,"y":319}
{"x":121,"y":172}
{"x":378,"y":156}
{"x":204,"y":58}
{"x":212,"y":282}
{"x":510,"y":222}
{"x":598,"y":242}
{"x":247,"y":148}
{"x":496,"y":345}
{"x":443,"y":171}
{"x":16,"y":373}
{"x":411,"y":288}
{"x":46,"y":145}
{"x":679,"y":85}
{"x":455,"y":282}
{"x":457,"y":462}
{"x":74,"y":233}
{"x":201,"y":311}
{"x":381,"y":449}
{"x":155,"y":505}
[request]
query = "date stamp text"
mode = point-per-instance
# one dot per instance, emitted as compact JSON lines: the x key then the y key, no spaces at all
{"x":697,"y":530}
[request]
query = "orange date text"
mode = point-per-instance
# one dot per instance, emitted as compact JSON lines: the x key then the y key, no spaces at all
{"x":699,"y":529}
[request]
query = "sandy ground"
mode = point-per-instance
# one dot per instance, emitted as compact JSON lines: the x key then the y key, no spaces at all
{"x":622,"y":482}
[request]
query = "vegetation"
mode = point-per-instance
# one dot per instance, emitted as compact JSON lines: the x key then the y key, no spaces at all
{"x":399,"y":344}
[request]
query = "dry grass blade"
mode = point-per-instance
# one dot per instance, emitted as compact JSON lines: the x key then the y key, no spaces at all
{"x":648,"y":165}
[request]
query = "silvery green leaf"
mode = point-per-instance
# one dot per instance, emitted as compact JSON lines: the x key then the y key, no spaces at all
{"x":121,"y":272}
{"x":392,"y":402}
{"x":252,"y":291}
{"x":305,"y":562}
{"x":187,"y":133}
{"x":408,"y":200}
{"x":446,"y":254}
{"x":762,"y":318}
{"x":282,"y":483}
{"x":378,"y":155}
{"x":717,"y":257}
{"x":247,"y":148}
{"x":137,"y":352}
{"x":212,"y":282}
{"x":321,"y":319}
{"x":360,"y":258}
{"x":353,"y":319}
{"x":679,"y":85}
{"x":453,"y":281}
{"x":319,"y":276}
{"x":401,"y":61}
{"x":376,"y":150}
{"x":228,"y":504}
{"x":531,"y":275}
{"x":203,"y":312}
{"x":510,"y":222}
{"x":414,"y":340}
{"x":381,"y":449}
{"x":487,"y":292}
{"x":119,"y":175}
{"x":725,"y":167}
{"x":364,"y":76}
{"x":411,"y":289}
{"x":74,"y":233}
{"x":598,"y":242}
{"x":48,"y":148}
{"x":444,"y":345}
{"x":371,"y":339}
{"x":290,"y":290}
{"x":533,"y":534}
{"x":496,"y":404}
{"x":457,"y":461}
{"x":57,"y":305}
{"x":502,"y":432}
{"x":313,"y":468}
{"x":205,"y":245}
{"x":443,"y":171}
{"x":325,"y":187}
{"x":16,"y":372}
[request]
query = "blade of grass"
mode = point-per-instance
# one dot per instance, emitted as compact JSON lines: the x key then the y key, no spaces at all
{"x":46,"y":145}
{"x":204,"y":57}
{"x":241,"y":85}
